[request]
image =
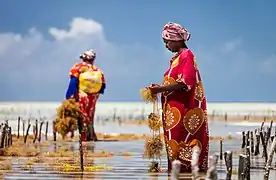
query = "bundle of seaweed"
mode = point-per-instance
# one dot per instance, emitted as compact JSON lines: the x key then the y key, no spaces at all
{"x":153,"y":148}
{"x":147,"y":96}
{"x":154,"y":122}
{"x":153,"y":145}
{"x":67,"y":117}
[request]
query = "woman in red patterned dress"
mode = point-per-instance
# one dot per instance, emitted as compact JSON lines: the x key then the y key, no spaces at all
{"x":82,"y":87}
{"x":183,"y":102}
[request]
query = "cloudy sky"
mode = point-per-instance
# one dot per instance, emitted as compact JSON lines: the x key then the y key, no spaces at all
{"x":234,"y":42}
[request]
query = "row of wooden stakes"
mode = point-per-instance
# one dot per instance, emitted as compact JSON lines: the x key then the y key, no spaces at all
{"x":249,"y":148}
{"x":37,"y":128}
{"x":5,"y":135}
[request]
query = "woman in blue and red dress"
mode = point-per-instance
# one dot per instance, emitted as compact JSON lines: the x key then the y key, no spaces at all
{"x":87,"y":82}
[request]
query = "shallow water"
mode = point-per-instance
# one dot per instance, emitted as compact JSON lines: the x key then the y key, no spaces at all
{"x":130,"y":167}
{"x":134,"y":166}
{"x":124,"y":109}
{"x":215,"y":128}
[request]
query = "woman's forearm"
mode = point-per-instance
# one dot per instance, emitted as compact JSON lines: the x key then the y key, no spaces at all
{"x":173,"y":87}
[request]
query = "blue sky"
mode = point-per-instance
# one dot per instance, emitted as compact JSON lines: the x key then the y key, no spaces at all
{"x":41,"y":40}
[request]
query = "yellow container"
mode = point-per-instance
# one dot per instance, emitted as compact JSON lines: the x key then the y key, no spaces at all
{"x":90,"y":81}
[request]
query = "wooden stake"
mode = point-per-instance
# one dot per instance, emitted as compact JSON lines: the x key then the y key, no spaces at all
{"x":36,"y":131}
{"x":228,"y":163}
{"x":40,"y":129}
{"x":18,"y":127}
{"x":54,"y":131}
{"x":252,"y":142}
{"x":46,"y":131}
{"x":244,"y":167}
{"x":268,"y":163}
{"x":220,"y":149}
{"x":264,"y":146}
{"x":243,"y":140}
{"x":27,"y":133}
{"x":257,"y":146}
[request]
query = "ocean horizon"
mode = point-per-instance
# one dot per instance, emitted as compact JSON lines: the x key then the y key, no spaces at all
{"x":128,"y":109}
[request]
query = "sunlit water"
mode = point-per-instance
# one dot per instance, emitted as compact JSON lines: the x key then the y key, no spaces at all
{"x":134,"y":166}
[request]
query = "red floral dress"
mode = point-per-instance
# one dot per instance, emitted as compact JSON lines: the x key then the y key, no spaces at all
{"x":87,"y":101}
{"x":185,"y":113}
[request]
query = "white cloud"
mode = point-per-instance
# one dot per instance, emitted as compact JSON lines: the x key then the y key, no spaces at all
{"x":6,"y":41}
{"x":269,"y":66}
{"x":45,"y":63}
{"x":78,"y":27}
{"x":232,"y":45}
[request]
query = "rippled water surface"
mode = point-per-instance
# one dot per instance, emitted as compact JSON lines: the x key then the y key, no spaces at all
{"x":134,"y":166}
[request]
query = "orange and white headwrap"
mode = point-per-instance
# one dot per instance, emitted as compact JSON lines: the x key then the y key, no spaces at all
{"x":175,"y":32}
{"x":88,"y":54}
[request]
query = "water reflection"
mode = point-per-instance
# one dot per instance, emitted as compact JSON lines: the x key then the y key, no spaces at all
{"x":89,"y":147}
{"x":133,"y":167}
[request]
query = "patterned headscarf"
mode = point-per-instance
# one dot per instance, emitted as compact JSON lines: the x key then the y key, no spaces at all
{"x":88,"y":54}
{"x":175,"y":32}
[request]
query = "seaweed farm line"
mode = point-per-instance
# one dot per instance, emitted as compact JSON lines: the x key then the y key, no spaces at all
{"x":120,"y":159}
{"x":117,"y":166}
{"x":215,"y":128}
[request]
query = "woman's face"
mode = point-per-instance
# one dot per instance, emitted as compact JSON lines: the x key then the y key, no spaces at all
{"x":172,"y":46}
{"x":90,"y":60}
